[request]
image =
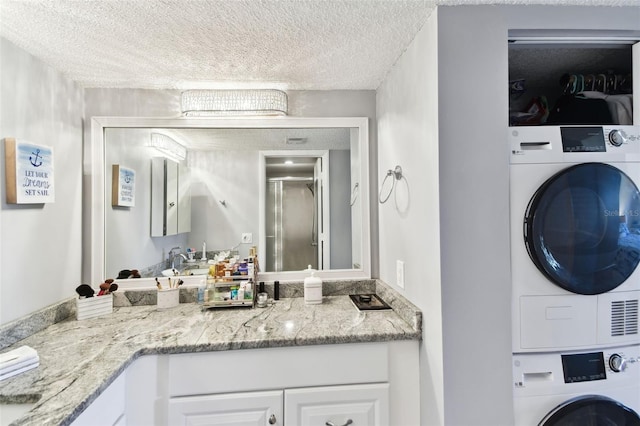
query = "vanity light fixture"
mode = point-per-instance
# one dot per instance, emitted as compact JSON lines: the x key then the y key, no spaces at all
{"x":205,"y":103}
{"x":168,"y":147}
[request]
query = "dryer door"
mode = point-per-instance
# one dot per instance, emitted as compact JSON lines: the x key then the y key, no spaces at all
{"x":582,"y":228}
{"x":591,"y":410}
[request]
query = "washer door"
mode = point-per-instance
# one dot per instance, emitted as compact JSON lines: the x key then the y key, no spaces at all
{"x":590,"y":410}
{"x":582,"y":228}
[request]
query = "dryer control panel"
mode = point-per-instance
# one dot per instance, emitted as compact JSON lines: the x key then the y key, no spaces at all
{"x":574,"y":144}
{"x":596,"y":369}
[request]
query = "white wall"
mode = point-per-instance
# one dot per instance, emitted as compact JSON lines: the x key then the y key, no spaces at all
{"x":459,"y":274}
{"x":166,"y":103}
{"x":233,"y":177}
{"x":407,"y":103}
{"x":40,"y":244}
{"x":474,"y":216}
{"x":340,"y":193}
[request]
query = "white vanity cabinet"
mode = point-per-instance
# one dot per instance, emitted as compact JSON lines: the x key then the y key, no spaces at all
{"x":246,"y":408}
{"x":108,"y":409}
{"x":368,"y":383}
{"x":362,"y":404}
{"x":170,"y":198}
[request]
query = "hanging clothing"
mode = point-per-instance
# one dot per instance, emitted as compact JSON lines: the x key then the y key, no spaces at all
{"x":620,"y":106}
{"x":571,"y":109}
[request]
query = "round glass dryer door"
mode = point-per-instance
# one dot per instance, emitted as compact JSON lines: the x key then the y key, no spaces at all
{"x":582,"y":228}
{"x":591,"y":410}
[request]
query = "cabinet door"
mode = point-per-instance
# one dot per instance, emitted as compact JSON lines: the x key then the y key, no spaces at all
{"x":238,"y":409}
{"x":108,"y":409}
{"x":164,"y":198}
{"x":171,"y":197}
{"x":184,"y":199}
{"x":355,"y":405}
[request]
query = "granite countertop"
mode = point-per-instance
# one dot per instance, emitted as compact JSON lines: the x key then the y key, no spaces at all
{"x":79,"y":359}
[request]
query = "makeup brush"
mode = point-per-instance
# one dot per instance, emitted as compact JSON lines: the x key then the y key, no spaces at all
{"x":85,"y":290}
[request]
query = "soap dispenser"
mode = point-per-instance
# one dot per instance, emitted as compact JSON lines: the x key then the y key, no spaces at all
{"x":312,"y":288}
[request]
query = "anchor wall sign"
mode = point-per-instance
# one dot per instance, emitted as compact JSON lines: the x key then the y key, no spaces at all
{"x":123,"y":186}
{"x":28,"y":172}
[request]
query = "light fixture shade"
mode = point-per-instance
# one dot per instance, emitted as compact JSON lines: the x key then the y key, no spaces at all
{"x":168,"y":147}
{"x":234,"y":102}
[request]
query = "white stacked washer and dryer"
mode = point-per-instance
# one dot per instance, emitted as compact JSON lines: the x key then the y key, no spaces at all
{"x":575,"y":249}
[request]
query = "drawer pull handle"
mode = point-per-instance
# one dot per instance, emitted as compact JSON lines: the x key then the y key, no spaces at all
{"x":349,"y":422}
{"x":272,"y":419}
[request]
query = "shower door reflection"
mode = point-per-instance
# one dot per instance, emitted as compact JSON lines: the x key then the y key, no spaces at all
{"x":294,"y":215}
{"x":291,"y":225}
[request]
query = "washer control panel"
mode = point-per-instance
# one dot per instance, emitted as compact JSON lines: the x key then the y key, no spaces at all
{"x":597,"y":139}
{"x":588,"y":370}
{"x":571,"y":144}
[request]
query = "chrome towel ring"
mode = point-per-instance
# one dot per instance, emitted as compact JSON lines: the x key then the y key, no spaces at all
{"x":397,"y":174}
{"x":354,"y":193}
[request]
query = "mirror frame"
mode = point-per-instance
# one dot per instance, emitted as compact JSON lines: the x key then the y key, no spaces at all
{"x":96,"y":168}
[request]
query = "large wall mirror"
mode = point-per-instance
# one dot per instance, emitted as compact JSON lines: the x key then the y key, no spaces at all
{"x":293,"y":189}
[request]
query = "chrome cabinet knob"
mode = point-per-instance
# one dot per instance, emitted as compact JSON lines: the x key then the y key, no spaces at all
{"x":272,"y":419}
{"x":349,"y":422}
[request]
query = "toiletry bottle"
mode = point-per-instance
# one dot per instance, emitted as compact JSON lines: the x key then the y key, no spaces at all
{"x":241,"y":292}
{"x":248,"y":290}
{"x":210,"y":290}
{"x":250,"y":267}
{"x":312,"y":288}
{"x":276,"y":290}
{"x":201,"y":290}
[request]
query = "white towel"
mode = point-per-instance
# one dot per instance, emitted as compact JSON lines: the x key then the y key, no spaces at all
{"x":20,"y":365}
{"x":19,"y":370}
{"x":21,"y":355}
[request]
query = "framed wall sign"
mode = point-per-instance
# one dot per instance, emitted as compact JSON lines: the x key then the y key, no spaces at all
{"x":123,"y":186}
{"x":28,"y":172}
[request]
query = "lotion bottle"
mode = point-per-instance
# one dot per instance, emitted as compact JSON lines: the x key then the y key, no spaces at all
{"x":312,"y":288}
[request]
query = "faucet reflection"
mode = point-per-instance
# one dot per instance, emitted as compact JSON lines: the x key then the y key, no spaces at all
{"x":175,"y":253}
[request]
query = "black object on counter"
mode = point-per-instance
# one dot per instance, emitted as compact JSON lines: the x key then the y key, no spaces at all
{"x":85,"y":290}
{"x":261,"y":287}
{"x":368,"y":302}
{"x":276,"y":290}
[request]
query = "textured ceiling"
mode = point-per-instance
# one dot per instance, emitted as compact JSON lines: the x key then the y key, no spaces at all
{"x":171,"y":44}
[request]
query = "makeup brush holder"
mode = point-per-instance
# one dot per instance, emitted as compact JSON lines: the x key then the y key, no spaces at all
{"x":169,"y":298}
{"x":91,"y":307}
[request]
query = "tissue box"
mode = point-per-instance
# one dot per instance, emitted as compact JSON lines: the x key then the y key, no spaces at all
{"x":92,"y":307}
{"x":169,"y":298}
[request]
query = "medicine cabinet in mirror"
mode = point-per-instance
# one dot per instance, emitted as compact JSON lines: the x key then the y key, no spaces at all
{"x":293,"y":189}
{"x":170,"y":197}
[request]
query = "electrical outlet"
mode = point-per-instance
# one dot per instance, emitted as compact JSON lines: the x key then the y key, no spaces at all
{"x":247,"y":238}
{"x":400,"y":273}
